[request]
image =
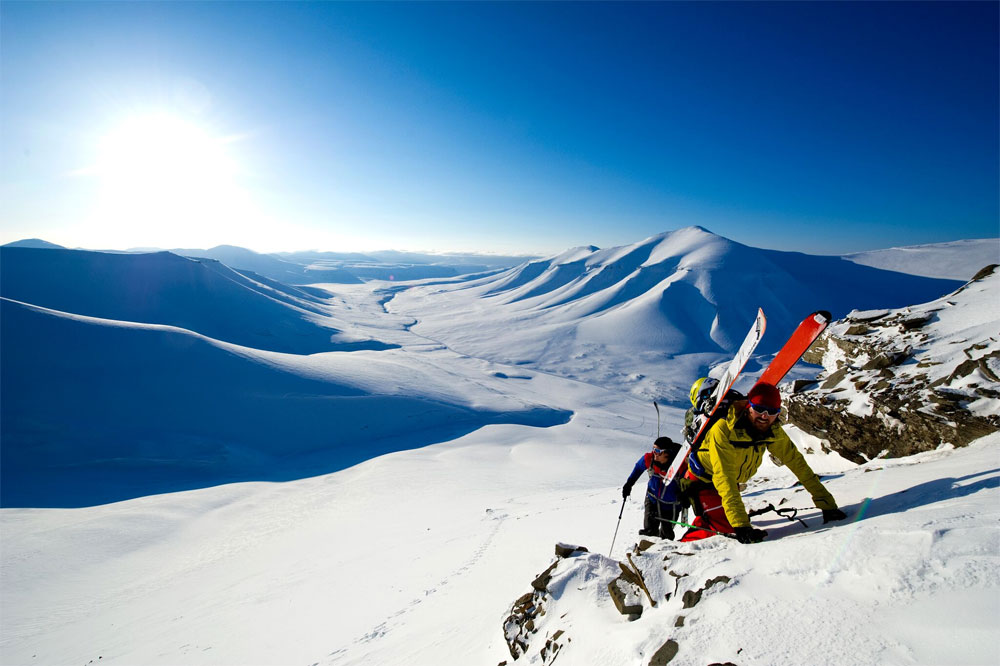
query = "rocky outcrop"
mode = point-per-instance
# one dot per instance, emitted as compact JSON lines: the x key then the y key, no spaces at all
{"x":897,"y":382}
{"x":523,"y":621}
{"x":652,"y":577}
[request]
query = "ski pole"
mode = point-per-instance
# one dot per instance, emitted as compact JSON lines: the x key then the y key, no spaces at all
{"x":620,"y":513}
{"x":657,"y":419}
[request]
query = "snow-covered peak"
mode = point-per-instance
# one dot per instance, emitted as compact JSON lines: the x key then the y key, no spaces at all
{"x":686,"y":291}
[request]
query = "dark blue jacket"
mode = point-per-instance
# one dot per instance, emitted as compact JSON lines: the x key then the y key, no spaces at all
{"x":655,"y":488}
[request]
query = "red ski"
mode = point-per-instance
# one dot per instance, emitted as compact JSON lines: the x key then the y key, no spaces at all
{"x":804,"y":335}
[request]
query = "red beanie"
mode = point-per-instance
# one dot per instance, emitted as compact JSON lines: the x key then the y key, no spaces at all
{"x":765,"y":395}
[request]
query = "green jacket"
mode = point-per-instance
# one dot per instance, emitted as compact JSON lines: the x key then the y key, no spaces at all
{"x":733,"y":450}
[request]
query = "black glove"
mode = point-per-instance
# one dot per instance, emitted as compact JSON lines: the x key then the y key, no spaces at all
{"x":750,"y":534}
{"x":829,"y":515}
{"x":626,"y":490}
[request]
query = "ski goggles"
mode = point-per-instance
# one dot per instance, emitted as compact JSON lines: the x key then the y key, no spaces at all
{"x":761,"y":409}
{"x":656,"y":450}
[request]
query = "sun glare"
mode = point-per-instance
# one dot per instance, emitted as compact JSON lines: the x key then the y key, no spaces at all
{"x":167,"y":180}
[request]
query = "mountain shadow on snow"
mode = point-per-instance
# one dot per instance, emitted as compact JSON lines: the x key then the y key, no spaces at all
{"x":96,"y":411}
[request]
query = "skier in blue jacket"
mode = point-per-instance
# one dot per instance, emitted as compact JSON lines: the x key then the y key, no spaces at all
{"x":662,"y":502}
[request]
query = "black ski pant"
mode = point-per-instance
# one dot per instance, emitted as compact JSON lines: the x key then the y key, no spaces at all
{"x":656,"y":515}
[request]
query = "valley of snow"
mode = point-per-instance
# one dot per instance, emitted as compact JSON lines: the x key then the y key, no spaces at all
{"x":387,"y":499}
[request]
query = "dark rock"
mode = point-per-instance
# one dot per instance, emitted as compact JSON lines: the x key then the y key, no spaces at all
{"x":986,"y":271}
{"x":520,"y":622}
{"x":644,"y":545}
{"x":625,"y":596}
{"x":916,"y":321}
{"x":630,"y":575}
{"x":567,"y":550}
{"x":800,"y":385}
{"x":551,"y":648}
{"x":541,"y":583}
{"x":888,"y":358}
{"x":692,"y":597}
{"x":835,"y":378}
{"x":985,"y":369}
{"x":665,"y":654}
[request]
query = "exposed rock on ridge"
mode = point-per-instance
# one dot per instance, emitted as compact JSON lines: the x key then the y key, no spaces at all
{"x":897,"y":382}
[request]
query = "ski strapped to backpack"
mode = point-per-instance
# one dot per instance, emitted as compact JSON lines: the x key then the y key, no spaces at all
{"x":795,"y":347}
{"x":725,"y":383}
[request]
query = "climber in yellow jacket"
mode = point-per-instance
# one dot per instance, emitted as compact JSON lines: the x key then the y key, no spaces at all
{"x":730,"y":454}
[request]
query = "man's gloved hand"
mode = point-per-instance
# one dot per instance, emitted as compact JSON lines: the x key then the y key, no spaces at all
{"x":627,"y":490}
{"x":749,"y":534}
{"x":830,"y":515}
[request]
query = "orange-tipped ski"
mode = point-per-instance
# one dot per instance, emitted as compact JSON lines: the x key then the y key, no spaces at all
{"x":797,"y":344}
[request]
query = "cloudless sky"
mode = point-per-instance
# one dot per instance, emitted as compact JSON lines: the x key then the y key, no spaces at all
{"x":511,"y":127}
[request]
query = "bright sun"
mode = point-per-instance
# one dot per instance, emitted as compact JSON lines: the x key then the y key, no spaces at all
{"x":164,"y":178}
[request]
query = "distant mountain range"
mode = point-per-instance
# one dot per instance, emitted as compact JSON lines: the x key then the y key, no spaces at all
{"x":163,"y":288}
{"x":314,"y":267}
{"x":956,"y":260}
{"x":682,"y":292}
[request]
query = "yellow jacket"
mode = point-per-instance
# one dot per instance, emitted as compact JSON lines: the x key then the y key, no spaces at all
{"x":733,"y":450}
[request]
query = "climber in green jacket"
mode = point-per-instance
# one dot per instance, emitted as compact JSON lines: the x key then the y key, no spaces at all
{"x":730,"y":455}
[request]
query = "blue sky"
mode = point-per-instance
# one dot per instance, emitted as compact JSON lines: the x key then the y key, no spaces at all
{"x":512,"y":127}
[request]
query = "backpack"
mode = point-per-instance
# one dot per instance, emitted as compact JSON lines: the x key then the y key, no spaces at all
{"x":696,"y":416}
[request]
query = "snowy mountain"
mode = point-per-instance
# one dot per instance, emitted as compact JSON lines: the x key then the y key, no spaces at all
{"x":685,"y":297}
{"x":957,"y":260}
{"x":35,"y":243}
{"x":392,"y":505}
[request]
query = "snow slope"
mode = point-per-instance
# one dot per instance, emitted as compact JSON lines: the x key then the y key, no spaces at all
{"x":913,"y":578}
{"x":323,"y":571}
{"x":416,"y":556}
{"x":96,"y":410}
{"x":957,"y":260}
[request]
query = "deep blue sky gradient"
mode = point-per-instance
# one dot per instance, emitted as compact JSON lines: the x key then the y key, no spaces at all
{"x":821,"y":127}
